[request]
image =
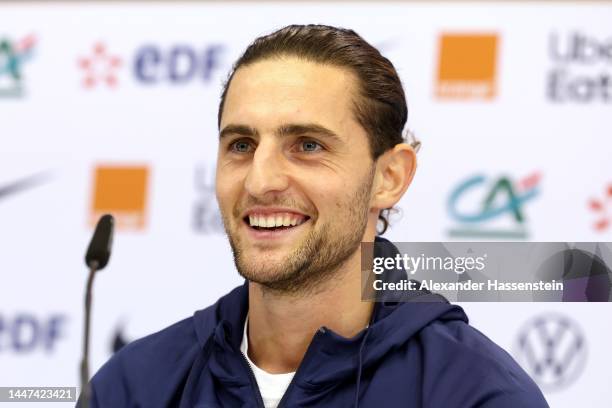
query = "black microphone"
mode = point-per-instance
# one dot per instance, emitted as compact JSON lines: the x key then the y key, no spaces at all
{"x":96,"y":258}
{"x":99,"y":249}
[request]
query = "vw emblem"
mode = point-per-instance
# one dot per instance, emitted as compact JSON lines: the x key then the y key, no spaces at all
{"x":552,"y":349}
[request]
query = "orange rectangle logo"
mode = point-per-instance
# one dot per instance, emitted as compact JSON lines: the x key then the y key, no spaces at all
{"x":122,"y":192}
{"x":467,"y":65}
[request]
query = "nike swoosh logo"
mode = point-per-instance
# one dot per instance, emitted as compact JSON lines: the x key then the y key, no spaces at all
{"x":22,"y":184}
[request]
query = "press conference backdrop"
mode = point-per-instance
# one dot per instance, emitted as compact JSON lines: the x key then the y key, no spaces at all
{"x":111,"y":107}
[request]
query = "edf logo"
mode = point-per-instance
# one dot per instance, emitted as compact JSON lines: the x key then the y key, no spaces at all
{"x":179,"y":64}
{"x":24,"y":332}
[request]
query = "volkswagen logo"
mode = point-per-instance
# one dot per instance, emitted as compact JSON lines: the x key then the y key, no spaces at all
{"x":552,"y":349}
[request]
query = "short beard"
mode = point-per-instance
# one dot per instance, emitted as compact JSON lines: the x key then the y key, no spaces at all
{"x":320,"y":258}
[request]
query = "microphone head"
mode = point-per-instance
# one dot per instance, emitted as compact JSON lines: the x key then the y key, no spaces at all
{"x":99,"y":249}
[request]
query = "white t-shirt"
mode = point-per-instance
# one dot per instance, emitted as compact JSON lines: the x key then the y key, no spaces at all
{"x":271,"y":386}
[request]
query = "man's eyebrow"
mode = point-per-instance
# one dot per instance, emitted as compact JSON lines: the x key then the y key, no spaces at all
{"x":292,"y":129}
{"x":307,"y":128}
{"x":240,"y":130}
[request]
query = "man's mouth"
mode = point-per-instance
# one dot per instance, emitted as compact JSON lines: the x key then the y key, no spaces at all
{"x":274,"y":221}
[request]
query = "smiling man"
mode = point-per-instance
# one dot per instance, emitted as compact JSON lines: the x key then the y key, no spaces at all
{"x":311,"y":156}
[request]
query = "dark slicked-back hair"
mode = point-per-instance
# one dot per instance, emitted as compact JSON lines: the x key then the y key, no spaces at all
{"x":380,"y":105}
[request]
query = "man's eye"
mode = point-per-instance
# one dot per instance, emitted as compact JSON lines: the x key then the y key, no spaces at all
{"x":240,"y":146}
{"x":310,"y":146}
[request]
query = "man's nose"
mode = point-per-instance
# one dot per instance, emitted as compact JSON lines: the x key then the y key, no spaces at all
{"x":268,"y":170}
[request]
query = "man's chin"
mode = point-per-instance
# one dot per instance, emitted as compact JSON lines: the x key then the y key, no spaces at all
{"x":264,"y":274}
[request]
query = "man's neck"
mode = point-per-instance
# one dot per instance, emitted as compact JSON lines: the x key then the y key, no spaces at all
{"x":281,"y":327}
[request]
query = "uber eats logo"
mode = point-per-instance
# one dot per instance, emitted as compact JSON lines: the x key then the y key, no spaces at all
{"x":581,"y":70}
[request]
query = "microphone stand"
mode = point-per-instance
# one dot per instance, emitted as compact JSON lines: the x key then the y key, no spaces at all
{"x":96,"y":258}
{"x":85,"y":389}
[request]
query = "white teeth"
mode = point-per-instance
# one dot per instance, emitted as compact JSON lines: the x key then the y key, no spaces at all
{"x":275,"y":220}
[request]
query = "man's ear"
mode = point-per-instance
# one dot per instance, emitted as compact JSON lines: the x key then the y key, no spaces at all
{"x":394,"y":172}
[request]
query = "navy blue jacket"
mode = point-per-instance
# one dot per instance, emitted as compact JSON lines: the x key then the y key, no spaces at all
{"x":413,"y":354}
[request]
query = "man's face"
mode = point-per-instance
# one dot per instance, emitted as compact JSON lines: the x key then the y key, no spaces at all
{"x":294,"y":172}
